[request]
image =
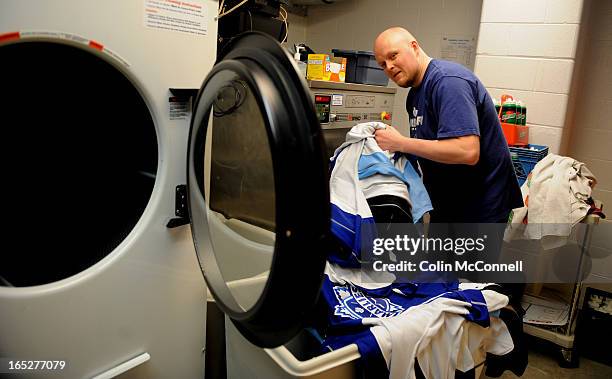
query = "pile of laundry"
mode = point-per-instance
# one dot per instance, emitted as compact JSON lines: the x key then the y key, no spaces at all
{"x":433,"y":330}
{"x":557,"y":196}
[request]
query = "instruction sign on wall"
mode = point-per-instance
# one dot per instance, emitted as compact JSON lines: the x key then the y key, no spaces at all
{"x":176,"y":15}
{"x":459,"y":49}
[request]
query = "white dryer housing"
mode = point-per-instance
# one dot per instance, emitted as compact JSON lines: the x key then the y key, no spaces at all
{"x":147,"y":295}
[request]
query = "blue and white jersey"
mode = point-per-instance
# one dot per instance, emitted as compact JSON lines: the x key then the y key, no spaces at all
{"x":360,"y":170}
{"x":349,"y":303}
{"x":351,"y":309}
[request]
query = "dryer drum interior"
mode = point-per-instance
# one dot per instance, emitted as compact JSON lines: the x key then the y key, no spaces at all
{"x":79,"y":160}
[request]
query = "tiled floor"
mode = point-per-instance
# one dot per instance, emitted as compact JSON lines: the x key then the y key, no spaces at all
{"x":543,"y":364}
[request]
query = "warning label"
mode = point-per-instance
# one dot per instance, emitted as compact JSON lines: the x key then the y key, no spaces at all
{"x":179,"y":16}
{"x":69,"y":37}
{"x":179,"y":107}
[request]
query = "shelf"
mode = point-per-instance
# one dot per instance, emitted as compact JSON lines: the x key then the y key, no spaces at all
{"x":560,"y":339}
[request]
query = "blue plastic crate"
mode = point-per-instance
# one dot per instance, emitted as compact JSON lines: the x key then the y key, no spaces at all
{"x":361,"y":67}
{"x":528,"y":157}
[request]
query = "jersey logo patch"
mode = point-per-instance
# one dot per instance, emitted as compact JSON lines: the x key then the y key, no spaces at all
{"x":415,"y":121}
{"x":354,"y":304}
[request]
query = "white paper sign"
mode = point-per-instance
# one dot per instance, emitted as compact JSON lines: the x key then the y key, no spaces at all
{"x":176,"y":15}
{"x":458,"y":49}
{"x":336,"y":99}
{"x":544,"y":312}
{"x":179,"y":108}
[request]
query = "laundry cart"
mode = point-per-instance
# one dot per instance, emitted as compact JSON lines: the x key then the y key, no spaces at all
{"x":291,"y":360}
{"x":568,"y":294}
{"x":295,"y":358}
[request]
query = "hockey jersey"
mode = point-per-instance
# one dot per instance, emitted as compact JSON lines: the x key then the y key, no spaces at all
{"x":361,"y":170}
{"x":402,"y":320}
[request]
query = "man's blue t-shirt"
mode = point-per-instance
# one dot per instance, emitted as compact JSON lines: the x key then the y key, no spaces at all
{"x":452,"y":102}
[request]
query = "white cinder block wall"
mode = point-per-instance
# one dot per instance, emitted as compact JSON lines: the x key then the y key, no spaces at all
{"x":354,"y":24}
{"x":527,"y":48}
{"x":590,"y":137}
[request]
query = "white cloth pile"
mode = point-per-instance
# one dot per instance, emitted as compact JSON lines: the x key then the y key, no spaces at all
{"x":440,"y":338}
{"x":555,"y":196}
{"x":435,"y":332}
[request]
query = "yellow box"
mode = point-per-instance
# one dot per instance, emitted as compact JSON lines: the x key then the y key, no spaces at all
{"x":324,"y":67}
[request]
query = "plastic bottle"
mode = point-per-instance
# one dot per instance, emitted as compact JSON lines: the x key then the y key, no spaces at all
{"x":302,"y":66}
{"x":519,"y":112}
{"x":509,"y":111}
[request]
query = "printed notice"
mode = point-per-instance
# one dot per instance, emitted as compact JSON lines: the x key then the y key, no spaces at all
{"x":179,"y":107}
{"x":179,"y":16}
{"x":544,"y":312}
{"x":459,"y":49}
{"x":336,"y":99}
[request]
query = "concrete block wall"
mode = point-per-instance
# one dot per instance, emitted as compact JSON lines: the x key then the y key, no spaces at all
{"x":297,"y":29}
{"x":354,"y":24}
{"x":590,"y":137}
{"x":527,"y":48}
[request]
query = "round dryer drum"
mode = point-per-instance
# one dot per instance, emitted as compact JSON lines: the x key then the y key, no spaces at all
{"x":79,"y":159}
{"x":258,"y":191}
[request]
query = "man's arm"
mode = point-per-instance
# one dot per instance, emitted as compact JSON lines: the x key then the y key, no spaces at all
{"x":454,"y":102}
{"x":457,"y":150}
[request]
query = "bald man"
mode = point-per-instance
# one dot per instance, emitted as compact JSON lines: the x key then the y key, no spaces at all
{"x":455,"y":132}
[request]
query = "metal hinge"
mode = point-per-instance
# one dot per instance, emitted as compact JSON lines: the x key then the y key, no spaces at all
{"x":181,"y":211}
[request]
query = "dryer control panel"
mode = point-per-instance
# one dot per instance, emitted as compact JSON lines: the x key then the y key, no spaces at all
{"x":342,"y":105}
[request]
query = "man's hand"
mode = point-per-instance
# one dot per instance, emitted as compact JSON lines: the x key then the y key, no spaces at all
{"x":389,"y":139}
{"x":458,"y":150}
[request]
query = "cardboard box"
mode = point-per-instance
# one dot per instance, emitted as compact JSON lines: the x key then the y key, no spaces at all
{"x":516,"y":135}
{"x":324,"y":67}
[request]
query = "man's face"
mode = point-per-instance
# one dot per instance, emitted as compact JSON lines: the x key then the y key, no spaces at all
{"x":398,"y":58}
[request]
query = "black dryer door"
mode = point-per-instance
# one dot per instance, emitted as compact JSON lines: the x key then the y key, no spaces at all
{"x":257,"y":190}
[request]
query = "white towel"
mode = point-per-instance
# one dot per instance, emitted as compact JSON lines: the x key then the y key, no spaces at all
{"x":555,"y":197}
{"x":437,"y":334}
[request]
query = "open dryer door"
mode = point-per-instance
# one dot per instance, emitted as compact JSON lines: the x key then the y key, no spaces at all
{"x":258,"y":194}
